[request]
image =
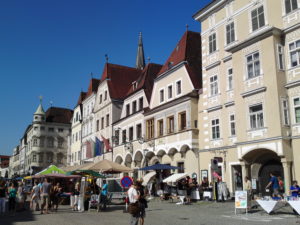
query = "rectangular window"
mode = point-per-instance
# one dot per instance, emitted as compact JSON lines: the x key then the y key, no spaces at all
{"x":230,"y":36}
{"x":150,"y":129}
{"x":60,"y":142}
{"x":34,"y":158}
{"x":138,"y":131}
{"x":160,"y":125}
{"x":290,"y":5}
{"x":170,"y":124}
{"x":214,"y":85}
{"x":107,"y":120}
{"x":51,"y":129}
{"x":178,"y":87}
{"x":170,"y":91}
{"x":127,"y":110}
{"x":42,"y":128}
{"x":97,"y":125}
{"x":35,"y":128}
{"x":130,"y":133}
{"x":181,"y":167}
{"x":295,"y":53}
{"x":280,"y":57}
{"x":253,"y":65}
{"x":105,"y":95}
{"x":117,"y":136}
{"x":102,"y":123}
{"x":161,"y":96}
{"x":212,"y":43}
{"x":285,"y":110}
{"x":133,"y":106}
{"x":60,"y":130}
{"x":123,"y":136}
{"x":35,"y":142}
{"x":215,"y":128}
{"x":182,"y":121}
{"x":256,"y":116}
{"x":258,"y":18}
{"x":297,"y":109}
{"x":141,"y":103}
{"x":230,"y":79}
{"x":100,"y":99}
{"x":232,"y":125}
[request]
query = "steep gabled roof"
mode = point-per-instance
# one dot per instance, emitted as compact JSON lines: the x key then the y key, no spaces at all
{"x":119,"y":79}
{"x":81,"y":98}
{"x":188,"y":49}
{"x":146,"y":80}
{"x":93,"y":87}
{"x":59,"y":115}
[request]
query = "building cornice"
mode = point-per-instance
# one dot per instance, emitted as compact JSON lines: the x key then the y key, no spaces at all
{"x":218,"y":148}
{"x":214,"y":108}
{"x":171,"y":70}
{"x":202,"y":13}
{"x":213,"y":65}
{"x":292,"y":84}
{"x":292,"y":28}
{"x":227,"y":104}
{"x":253,"y":92}
{"x":264,"y":33}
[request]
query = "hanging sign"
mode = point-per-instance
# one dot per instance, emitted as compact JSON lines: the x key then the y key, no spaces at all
{"x":126,"y":182}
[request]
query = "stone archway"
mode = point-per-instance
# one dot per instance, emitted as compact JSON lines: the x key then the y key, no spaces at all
{"x":119,"y":159}
{"x":258,"y":163}
{"x":128,"y":160}
{"x":138,"y":158}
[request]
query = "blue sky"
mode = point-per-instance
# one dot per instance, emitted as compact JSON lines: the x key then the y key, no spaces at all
{"x":49,"y":48}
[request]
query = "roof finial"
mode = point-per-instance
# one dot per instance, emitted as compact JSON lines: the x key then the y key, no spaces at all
{"x":148,"y":58}
{"x":106,"y":58}
{"x":187,"y":27}
{"x":51,"y":103}
{"x":91,"y":75}
{"x":140,"y":58}
{"x":41,"y":98}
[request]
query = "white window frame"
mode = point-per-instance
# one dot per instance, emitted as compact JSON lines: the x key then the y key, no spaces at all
{"x":291,"y":6}
{"x":213,"y":86}
{"x":177,"y":81}
{"x":161,"y":91}
{"x":296,"y":50}
{"x":256,"y":114}
{"x":232,"y":134}
{"x":285,"y":111}
{"x":253,"y":65}
{"x":259,"y":26}
{"x":212,"y":44}
{"x":230,"y":31}
{"x":280,"y":56}
{"x":230,"y":79}
{"x":294,"y":109}
{"x":215,"y":129}
{"x":171,"y":85}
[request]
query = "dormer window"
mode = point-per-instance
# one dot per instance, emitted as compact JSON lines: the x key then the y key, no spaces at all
{"x":134,"y":85}
{"x":170,"y":65}
{"x":105,"y":95}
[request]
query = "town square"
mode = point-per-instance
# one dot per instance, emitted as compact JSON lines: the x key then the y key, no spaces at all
{"x":137,"y":112}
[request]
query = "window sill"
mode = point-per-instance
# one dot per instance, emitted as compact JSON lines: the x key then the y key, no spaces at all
{"x":294,"y":67}
{"x":257,"y":129}
{"x":216,"y":139}
{"x":259,"y":30}
{"x":212,"y":53}
{"x":290,"y":13}
{"x":213,"y":96}
{"x":252,"y":78}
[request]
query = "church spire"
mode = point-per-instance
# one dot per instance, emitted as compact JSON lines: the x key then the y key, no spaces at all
{"x":140,"y":59}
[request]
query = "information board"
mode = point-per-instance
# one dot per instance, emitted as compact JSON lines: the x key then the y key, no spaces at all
{"x":241,"y":200}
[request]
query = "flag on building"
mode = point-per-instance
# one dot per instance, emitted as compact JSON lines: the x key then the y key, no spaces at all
{"x":98,"y":147}
{"x":106,"y":143}
{"x":89,"y":153}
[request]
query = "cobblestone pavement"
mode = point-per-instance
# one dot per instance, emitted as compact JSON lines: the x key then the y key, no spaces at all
{"x":158,"y":213}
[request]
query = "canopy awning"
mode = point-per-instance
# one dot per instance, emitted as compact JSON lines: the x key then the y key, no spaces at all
{"x":52,"y":169}
{"x":55,"y":175}
{"x":148,"y":177}
{"x":86,"y":173}
{"x":175,"y":177}
{"x":160,"y":167}
{"x":106,"y":166}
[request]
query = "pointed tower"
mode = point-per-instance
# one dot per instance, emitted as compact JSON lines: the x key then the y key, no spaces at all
{"x":39,"y":115}
{"x":140,"y":59}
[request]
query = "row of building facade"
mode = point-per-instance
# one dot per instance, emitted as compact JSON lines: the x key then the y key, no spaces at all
{"x":231,"y":93}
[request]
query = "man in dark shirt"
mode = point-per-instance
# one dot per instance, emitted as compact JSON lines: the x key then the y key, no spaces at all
{"x":45,"y":194}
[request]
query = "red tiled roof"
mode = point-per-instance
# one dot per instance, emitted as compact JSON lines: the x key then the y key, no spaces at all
{"x":81,"y":97}
{"x":188,"y":49}
{"x":119,"y":79}
{"x":59,"y":115}
{"x":93,"y":87}
{"x":146,"y":80}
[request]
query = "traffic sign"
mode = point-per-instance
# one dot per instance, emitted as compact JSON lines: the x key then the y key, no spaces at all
{"x":126,"y":182}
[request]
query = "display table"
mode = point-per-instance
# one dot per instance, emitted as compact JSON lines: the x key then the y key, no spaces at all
{"x":270,"y":205}
{"x":295,"y":205}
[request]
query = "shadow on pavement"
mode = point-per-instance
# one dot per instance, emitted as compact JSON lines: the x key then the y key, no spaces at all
{"x":23,"y":216}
